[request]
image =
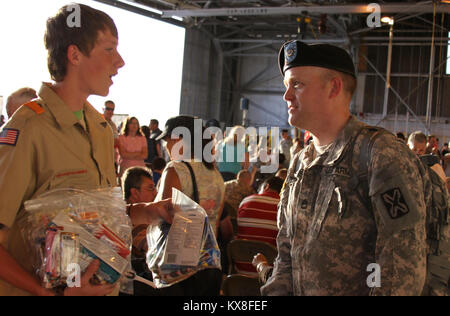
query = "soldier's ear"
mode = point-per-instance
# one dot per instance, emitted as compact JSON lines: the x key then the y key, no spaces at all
{"x":336,"y":87}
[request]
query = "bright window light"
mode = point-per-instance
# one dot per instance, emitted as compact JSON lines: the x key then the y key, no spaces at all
{"x":148,"y":86}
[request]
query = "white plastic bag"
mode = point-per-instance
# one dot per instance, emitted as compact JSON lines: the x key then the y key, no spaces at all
{"x":178,"y":251}
{"x":69,"y":228}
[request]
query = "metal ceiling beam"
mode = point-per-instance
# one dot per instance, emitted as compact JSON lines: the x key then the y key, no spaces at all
{"x":297,"y":10}
{"x":141,"y":11}
{"x":281,"y":40}
{"x":178,"y":4}
{"x":403,"y":38}
{"x":404,"y":44}
{"x":244,"y":48}
{"x":235,"y":31}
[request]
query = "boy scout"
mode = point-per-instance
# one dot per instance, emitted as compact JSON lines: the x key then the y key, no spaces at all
{"x":61,"y":141}
{"x":348,"y":225}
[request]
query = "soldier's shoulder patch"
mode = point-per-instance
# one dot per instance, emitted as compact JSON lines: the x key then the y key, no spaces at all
{"x":9,"y":136}
{"x":395,"y":203}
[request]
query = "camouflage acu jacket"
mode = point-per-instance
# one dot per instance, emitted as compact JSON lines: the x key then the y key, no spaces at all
{"x":337,"y":217}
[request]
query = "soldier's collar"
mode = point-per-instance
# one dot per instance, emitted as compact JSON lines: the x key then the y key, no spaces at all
{"x":350,"y":131}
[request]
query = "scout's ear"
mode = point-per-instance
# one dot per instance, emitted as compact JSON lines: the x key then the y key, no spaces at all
{"x":74,"y":55}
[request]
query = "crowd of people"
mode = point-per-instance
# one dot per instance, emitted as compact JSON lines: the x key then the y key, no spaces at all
{"x":241,"y":202}
{"x":344,"y":198}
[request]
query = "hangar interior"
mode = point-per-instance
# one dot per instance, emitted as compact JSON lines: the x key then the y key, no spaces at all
{"x":231,"y":49}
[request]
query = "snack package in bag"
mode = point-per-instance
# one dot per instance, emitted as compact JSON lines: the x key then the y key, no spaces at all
{"x":177,"y":251}
{"x":67,"y":229}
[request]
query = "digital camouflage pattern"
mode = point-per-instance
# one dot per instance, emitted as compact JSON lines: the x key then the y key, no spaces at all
{"x":337,"y":216}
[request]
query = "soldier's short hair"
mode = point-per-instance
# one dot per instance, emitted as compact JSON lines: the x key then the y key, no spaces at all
{"x":349,"y":82}
{"x":59,"y":35}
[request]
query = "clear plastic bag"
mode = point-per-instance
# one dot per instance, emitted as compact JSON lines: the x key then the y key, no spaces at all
{"x":177,"y":251}
{"x":69,"y":228}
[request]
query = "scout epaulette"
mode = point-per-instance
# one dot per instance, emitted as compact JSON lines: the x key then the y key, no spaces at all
{"x":35,"y":107}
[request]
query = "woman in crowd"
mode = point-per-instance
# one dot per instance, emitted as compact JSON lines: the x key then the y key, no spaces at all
{"x":233,"y":154}
{"x":180,"y":173}
{"x":132,"y":145}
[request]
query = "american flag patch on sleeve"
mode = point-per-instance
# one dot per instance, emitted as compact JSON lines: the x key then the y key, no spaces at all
{"x":9,"y":136}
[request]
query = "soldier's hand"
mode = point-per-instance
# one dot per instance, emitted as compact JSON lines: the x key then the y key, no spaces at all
{"x":88,"y":289}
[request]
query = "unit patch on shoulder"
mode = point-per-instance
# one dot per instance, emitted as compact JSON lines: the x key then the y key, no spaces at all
{"x":9,"y":136}
{"x":395,"y":203}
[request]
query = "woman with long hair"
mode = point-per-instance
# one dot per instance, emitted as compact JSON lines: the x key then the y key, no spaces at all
{"x":132,"y":145}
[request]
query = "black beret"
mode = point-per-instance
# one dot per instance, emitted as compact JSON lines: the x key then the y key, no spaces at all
{"x":295,"y":54}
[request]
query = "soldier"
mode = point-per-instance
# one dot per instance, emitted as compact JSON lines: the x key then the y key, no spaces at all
{"x":352,"y":213}
{"x":61,"y":141}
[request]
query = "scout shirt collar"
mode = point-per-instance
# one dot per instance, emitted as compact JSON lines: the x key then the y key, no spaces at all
{"x":93,"y":115}
{"x":62,"y":113}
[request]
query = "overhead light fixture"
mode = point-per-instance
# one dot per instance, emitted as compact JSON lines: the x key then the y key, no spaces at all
{"x":388,"y":20}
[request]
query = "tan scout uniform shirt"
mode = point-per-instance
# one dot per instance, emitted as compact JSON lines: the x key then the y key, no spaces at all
{"x":53,"y":150}
{"x":332,"y":228}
